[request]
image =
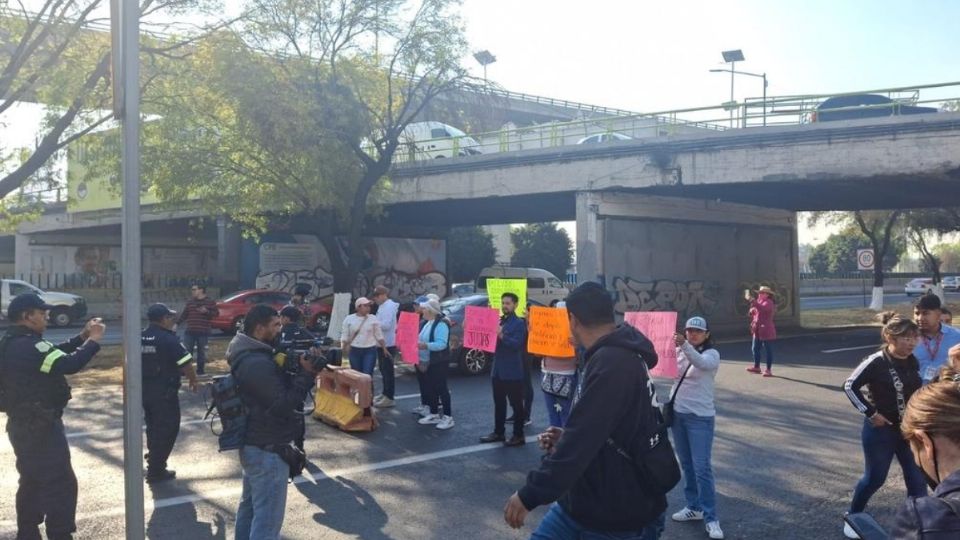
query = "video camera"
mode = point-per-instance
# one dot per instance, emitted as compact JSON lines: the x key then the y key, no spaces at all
{"x":304,"y":347}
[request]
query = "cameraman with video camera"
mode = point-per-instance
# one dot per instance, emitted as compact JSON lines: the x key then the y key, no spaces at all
{"x":271,"y":396}
{"x":295,"y":341}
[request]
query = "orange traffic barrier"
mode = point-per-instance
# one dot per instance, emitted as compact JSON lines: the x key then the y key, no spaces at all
{"x":344,"y":399}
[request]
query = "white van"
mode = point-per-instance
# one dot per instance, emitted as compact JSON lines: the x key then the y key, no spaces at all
{"x":437,"y":140}
{"x":542,"y":286}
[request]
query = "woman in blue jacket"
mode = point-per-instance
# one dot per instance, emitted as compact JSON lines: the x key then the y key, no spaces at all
{"x":434,"y":344}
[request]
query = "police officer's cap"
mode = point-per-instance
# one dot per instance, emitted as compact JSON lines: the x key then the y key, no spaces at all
{"x":157,"y":312}
{"x":25,"y":302}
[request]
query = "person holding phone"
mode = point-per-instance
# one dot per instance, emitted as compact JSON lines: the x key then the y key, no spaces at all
{"x":892,"y":376}
{"x":693,"y":424}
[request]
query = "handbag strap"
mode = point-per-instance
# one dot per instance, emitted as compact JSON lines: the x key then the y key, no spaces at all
{"x":357,"y":333}
{"x":673,"y":395}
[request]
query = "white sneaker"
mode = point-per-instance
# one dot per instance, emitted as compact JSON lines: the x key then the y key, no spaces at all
{"x":383,"y":403}
{"x":849,"y":532}
{"x":420,"y":410}
{"x":687,"y":515}
{"x":446,"y":422}
{"x":714,"y":531}
{"x":429,"y":419}
{"x":377,"y":397}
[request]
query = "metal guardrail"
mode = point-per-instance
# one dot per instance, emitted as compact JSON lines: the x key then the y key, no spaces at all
{"x":567,"y":104}
{"x":751,"y":113}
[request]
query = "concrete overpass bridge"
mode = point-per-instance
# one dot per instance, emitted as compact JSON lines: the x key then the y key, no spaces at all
{"x":687,"y":222}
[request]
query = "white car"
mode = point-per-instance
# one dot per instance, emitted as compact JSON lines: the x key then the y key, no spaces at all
{"x":918,"y":286}
{"x":604,"y":137}
{"x":951,"y":283}
{"x":438,"y":140}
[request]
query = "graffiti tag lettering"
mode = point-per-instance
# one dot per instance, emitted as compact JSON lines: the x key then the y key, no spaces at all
{"x":687,"y":298}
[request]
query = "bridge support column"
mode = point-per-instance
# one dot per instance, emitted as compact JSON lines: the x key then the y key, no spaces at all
{"x":22,"y":255}
{"x":228,"y":255}
{"x":691,"y":256}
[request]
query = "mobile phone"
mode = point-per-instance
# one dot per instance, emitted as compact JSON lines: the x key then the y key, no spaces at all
{"x":866,"y":526}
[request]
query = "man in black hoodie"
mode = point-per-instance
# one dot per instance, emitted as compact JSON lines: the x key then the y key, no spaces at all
{"x":272,"y":398}
{"x":595,"y":487}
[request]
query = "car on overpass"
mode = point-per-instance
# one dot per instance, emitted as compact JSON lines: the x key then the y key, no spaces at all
{"x":438,"y":140}
{"x":918,"y":286}
{"x":856,"y":106}
{"x":67,"y":308}
{"x":233,"y":308}
{"x":604,"y":138}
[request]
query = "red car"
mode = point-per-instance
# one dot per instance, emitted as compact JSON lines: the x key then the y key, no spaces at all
{"x":234,"y":308}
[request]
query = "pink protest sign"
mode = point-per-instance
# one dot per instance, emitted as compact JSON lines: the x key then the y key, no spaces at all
{"x":659,"y":327}
{"x":408,"y":333}
{"x":480,"y":328}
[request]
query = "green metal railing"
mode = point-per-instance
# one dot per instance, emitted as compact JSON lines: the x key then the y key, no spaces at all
{"x":750,"y":113}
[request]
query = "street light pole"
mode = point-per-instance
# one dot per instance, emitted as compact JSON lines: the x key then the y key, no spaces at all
{"x":734,"y":72}
{"x":733,"y":66}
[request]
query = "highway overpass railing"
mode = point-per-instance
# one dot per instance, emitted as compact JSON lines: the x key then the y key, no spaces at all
{"x":751,"y":113}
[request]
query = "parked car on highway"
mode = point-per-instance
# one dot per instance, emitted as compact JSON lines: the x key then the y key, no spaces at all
{"x":234,"y":308}
{"x":67,"y":308}
{"x":951,"y":283}
{"x":918,"y":286}
{"x":864,"y":106}
{"x":470,"y":361}
{"x":604,"y":137}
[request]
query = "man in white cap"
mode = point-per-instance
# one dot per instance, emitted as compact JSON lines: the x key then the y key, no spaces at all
{"x":360,"y":337}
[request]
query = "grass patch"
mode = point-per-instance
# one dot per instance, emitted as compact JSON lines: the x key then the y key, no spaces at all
{"x":832,"y":318}
{"x":106,"y":368}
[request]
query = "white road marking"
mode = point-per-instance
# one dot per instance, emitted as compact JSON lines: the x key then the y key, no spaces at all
{"x":10,"y":525}
{"x":860,"y":348}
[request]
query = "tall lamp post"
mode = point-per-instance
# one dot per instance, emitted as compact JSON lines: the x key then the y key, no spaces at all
{"x":485,"y":58}
{"x":732,"y":57}
{"x":747,"y":73}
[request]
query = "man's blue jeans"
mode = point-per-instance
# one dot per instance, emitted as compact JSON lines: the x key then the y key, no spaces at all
{"x":198,"y":341}
{"x":264,"y":498}
{"x":558,"y":408}
{"x":558,"y":525}
{"x":693,"y":442}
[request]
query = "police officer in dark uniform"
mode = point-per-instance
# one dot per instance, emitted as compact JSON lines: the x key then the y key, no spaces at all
{"x":34,"y":392}
{"x":164,"y":359}
{"x":291,"y":332}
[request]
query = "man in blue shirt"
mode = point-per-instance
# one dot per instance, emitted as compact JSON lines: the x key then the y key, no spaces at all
{"x":936,"y":338}
{"x":507,"y":373}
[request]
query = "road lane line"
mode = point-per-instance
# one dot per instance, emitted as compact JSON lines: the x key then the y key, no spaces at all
{"x":860,"y":348}
{"x":10,"y":525}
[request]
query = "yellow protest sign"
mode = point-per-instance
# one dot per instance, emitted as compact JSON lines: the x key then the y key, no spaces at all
{"x":549,"y":332}
{"x":497,"y":287}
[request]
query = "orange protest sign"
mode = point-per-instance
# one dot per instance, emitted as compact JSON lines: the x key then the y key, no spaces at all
{"x":549,"y":332}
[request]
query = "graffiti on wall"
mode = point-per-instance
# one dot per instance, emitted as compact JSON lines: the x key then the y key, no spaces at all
{"x":410,"y":286}
{"x":783,"y":296}
{"x":687,"y":298}
{"x":403,"y":286}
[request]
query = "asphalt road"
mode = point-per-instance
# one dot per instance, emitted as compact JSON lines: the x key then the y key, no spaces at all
{"x":786,"y":456}
{"x":857,"y":301}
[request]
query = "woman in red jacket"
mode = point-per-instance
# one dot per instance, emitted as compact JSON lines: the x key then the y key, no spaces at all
{"x":763,"y":306}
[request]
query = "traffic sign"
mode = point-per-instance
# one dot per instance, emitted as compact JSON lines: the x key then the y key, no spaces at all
{"x":865,"y":259}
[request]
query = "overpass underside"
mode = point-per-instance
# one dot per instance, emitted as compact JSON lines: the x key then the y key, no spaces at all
{"x":687,"y":223}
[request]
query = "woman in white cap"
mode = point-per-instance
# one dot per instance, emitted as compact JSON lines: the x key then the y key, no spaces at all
{"x":360,"y":336}
{"x":693,"y":422}
{"x":434,"y":345}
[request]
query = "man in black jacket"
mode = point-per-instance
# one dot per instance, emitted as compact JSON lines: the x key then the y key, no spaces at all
{"x":595,"y":487}
{"x":272,"y":398}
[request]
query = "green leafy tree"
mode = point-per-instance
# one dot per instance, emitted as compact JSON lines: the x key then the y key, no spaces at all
{"x":469,"y":250}
{"x":301,"y":111}
{"x":949,"y":255}
{"x":838,"y":254}
{"x":52,"y":56}
{"x":880,"y":227}
{"x":542,"y":245}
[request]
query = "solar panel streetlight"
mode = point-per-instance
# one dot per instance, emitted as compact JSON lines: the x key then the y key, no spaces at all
{"x":485,"y":58}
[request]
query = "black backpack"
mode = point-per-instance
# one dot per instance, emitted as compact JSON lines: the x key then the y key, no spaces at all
{"x":233,"y":413}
